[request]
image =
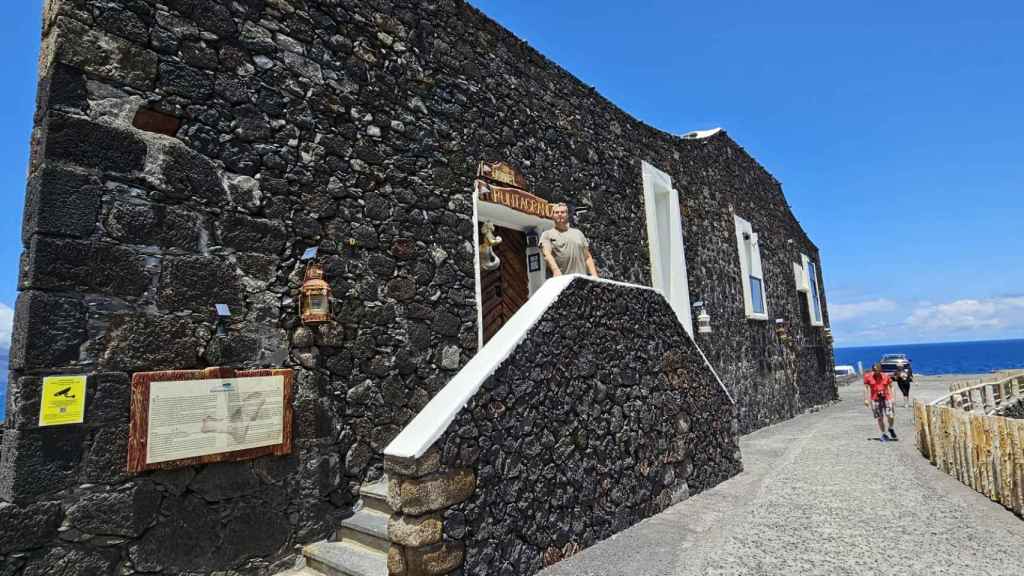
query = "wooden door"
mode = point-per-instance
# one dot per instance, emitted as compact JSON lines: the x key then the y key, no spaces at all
{"x":505,"y":290}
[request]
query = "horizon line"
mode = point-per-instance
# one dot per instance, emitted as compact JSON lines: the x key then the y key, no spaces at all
{"x":1014,"y":339}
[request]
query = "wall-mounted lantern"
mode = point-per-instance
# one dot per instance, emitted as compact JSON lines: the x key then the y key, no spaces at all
{"x":703,"y":318}
{"x":780,"y":330}
{"x":828,"y":335}
{"x":315,"y":299}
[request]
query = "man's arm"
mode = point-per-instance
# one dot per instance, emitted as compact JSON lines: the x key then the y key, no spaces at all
{"x":591,"y":267}
{"x":867,"y":393}
{"x":555,"y":270}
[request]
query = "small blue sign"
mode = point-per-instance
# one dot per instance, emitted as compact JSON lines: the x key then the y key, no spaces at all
{"x":310,"y":253}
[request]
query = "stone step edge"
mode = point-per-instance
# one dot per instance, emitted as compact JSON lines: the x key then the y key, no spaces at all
{"x":369,"y":522}
{"x":377,"y":490}
{"x":339,"y":559}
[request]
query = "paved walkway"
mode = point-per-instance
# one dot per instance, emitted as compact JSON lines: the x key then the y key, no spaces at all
{"x":818,"y":497}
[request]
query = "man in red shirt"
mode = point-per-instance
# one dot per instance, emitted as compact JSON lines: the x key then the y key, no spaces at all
{"x":878,"y":395}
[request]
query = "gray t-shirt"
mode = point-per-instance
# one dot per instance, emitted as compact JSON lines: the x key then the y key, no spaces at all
{"x":569,"y":249}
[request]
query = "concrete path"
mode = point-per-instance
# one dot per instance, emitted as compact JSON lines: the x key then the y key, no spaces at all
{"x":821,"y":496}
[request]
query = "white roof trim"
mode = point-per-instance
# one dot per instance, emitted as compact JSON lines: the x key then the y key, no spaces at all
{"x":701,"y":134}
{"x":419,"y":435}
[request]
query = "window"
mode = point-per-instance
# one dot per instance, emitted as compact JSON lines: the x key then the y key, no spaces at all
{"x":813,"y":294}
{"x":754,"y":302}
{"x":665,"y":239}
{"x":756,"y":295}
{"x":807,"y":282}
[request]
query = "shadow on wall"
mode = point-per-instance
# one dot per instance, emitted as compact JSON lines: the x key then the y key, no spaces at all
{"x":603,"y":413}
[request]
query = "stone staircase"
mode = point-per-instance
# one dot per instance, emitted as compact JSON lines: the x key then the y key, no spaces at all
{"x":360,"y":547}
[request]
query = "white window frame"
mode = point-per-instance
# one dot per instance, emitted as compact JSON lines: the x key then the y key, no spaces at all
{"x":813,"y":290}
{"x":749,"y":249}
{"x":671,"y":282}
{"x":800,"y":275}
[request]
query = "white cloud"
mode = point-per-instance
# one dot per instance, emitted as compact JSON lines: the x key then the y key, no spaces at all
{"x":842,"y":312}
{"x":969,"y":315}
{"x":882,"y":320}
{"x":6,"y":324}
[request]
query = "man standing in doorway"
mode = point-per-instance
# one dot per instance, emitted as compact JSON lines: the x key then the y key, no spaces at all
{"x":566,"y":249}
{"x":878,"y":394}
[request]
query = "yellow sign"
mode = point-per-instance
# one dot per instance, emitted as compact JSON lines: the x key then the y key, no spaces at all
{"x":63,"y":401}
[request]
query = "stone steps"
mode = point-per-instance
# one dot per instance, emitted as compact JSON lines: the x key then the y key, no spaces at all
{"x":338,"y":559}
{"x":361,"y":542}
{"x":367,"y":528}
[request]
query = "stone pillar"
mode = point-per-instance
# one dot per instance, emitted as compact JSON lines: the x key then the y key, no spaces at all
{"x":419,"y":491}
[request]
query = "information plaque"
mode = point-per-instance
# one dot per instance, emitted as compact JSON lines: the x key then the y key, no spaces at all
{"x":182,"y":418}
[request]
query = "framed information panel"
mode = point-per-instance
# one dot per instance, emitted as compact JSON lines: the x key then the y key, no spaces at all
{"x":187,"y":417}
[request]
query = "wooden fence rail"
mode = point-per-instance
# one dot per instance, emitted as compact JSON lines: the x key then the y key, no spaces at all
{"x":984,"y":452}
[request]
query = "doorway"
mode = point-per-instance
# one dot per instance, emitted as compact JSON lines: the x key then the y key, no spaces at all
{"x":504,"y":290}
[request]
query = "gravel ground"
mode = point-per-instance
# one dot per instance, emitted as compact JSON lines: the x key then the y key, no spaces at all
{"x":821,"y":496}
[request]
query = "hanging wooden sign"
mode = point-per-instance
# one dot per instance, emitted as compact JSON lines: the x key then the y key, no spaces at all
{"x":187,"y":417}
{"x":519,"y":200}
{"x":501,"y":173}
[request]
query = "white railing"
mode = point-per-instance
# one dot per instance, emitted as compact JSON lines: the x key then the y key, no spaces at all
{"x":984,"y":397}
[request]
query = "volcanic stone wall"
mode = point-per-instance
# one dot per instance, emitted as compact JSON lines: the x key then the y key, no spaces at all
{"x":772,"y":375}
{"x":595,"y":422}
{"x":186,"y":153}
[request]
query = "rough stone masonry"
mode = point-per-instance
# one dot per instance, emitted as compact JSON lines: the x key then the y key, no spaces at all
{"x":186,"y":153}
{"x":553,"y":468}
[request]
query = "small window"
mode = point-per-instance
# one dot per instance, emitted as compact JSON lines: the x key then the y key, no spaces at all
{"x":814,"y":294}
{"x":754,"y":302}
{"x":807,"y":282}
{"x":756,"y":295}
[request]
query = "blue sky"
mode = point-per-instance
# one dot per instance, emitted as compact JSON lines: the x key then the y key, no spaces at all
{"x":895,"y":127}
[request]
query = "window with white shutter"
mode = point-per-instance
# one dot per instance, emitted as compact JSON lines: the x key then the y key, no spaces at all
{"x":754,"y":299}
{"x":807,"y":282}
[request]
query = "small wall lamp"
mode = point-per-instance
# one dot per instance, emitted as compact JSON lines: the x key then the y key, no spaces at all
{"x":780,"y":329}
{"x":315,"y":297}
{"x":703,"y":318}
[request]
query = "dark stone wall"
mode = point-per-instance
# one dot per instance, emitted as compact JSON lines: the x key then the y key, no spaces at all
{"x":186,"y":153}
{"x":772,"y":378}
{"x":595,"y":422}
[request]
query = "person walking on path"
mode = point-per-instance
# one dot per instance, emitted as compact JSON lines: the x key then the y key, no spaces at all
{"x":566,"y":250}
{"x":878,"y":395}
{"x":904,"y":376}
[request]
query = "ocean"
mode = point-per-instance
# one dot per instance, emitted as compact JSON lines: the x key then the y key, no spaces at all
{"x":944,"y":357}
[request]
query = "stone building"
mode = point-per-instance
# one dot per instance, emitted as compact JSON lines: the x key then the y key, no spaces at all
{"x":187,"y":154}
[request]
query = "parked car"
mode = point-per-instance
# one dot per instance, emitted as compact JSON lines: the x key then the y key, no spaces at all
{"x":892,"y":363}
{"x":897,"y":366}
{"x":844,"y":370}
